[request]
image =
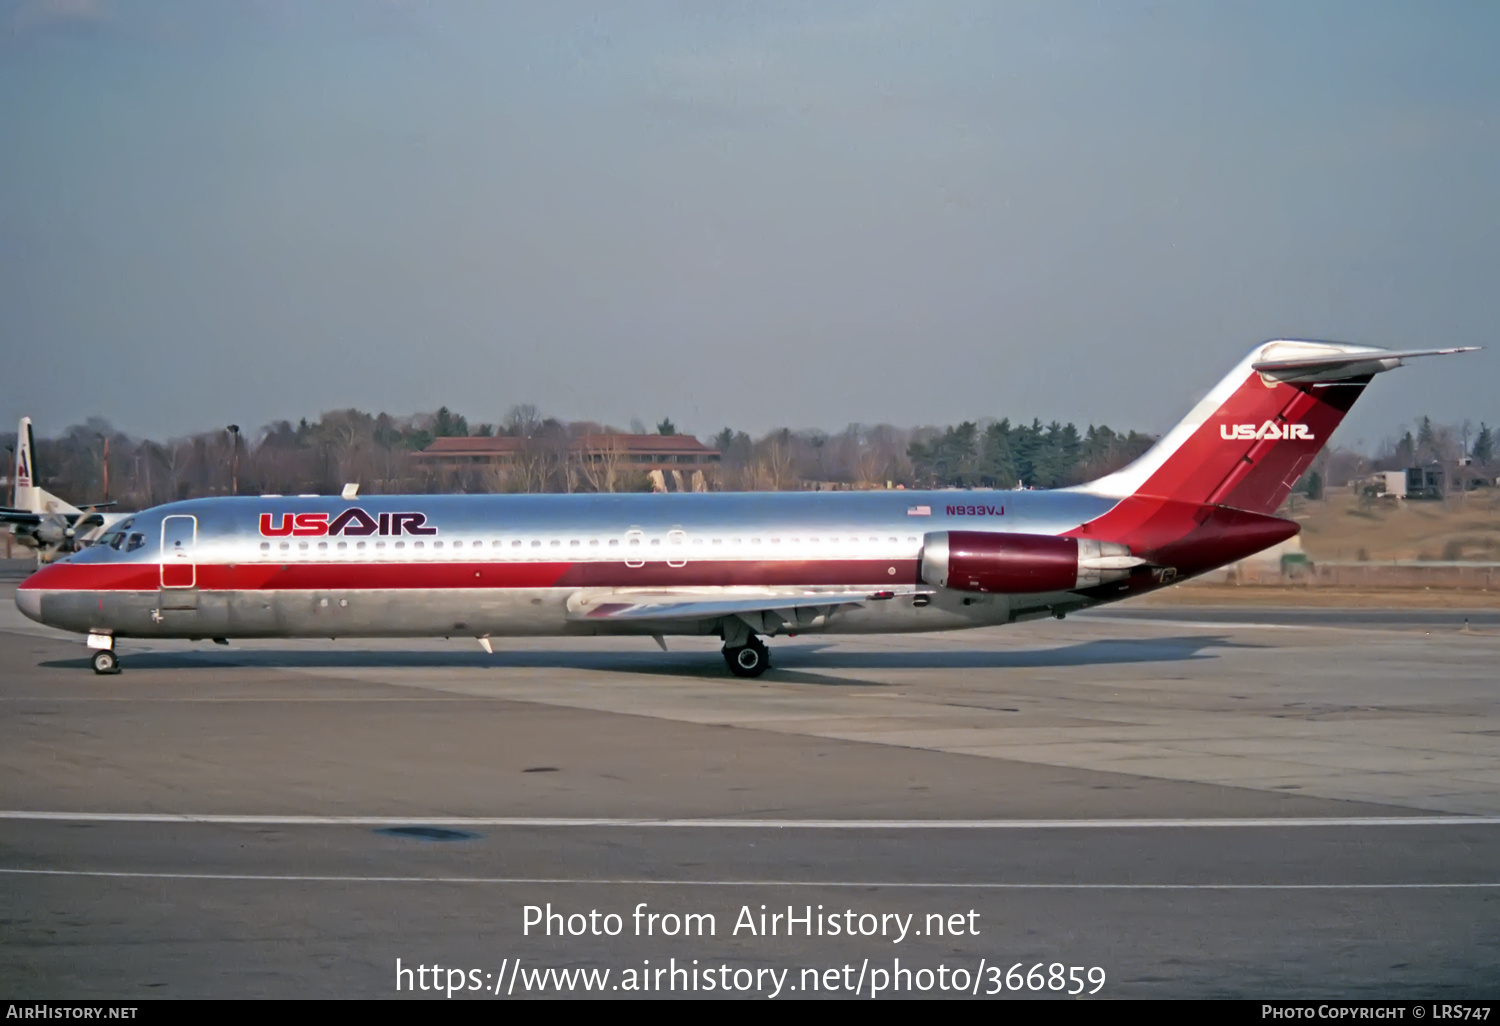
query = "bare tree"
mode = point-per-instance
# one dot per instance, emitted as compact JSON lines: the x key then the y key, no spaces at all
{"x":522,"y":421}
{"x":600,"y":458}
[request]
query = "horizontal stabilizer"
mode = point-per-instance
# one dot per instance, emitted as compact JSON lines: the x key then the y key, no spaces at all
{"x":1293,"y":361}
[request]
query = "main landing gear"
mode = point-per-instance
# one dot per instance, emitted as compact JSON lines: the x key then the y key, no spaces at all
{"x":748,"y":660}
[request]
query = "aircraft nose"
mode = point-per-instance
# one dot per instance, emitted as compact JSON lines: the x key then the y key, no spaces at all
{"x":29,"y":601}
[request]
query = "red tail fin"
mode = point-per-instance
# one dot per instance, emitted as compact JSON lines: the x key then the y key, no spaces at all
{"x":1255,"y":434}
{"x":1241,"y":449}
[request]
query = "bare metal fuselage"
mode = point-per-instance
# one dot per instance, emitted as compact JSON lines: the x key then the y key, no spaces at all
{"x":498,"y":565}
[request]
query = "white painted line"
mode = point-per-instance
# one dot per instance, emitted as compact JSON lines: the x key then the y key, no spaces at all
{"x":517,"y":881}
{"x":550,"y":822}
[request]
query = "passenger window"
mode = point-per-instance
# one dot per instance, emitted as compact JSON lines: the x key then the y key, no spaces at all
{"x":380,"y":545}
{"x":265,"y":546}
{"x":136,"y":541}
{"x":436,"y":545}
{"x":593,"y":543}
{"x":655,"y":541}
{"x":322,"y":546}
{"x":359,"y":545}
{"x":574,"y":543}
{"x":302,"y":545}
{"x":417,"y":545}
{"x":556,"y":543}
{"x":285,"y":546}
{"x":343,"y":545}
{"x":536,"y":544}
{"x":401,"y":545}
{"x":614,"y":542}
{"x":495,"y":544}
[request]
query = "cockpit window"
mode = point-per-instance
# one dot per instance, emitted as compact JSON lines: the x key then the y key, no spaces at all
{"x":136,"y":541}
{"x":114,"y":540}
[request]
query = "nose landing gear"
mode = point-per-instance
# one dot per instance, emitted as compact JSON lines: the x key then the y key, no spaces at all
{"x":748,"y":660}
{"x":103,"y":659}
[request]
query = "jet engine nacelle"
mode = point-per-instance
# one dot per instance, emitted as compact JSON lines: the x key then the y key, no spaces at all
{"x":1017,"y":564}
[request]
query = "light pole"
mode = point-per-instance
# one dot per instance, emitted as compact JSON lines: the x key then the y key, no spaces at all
{"x":234,"y":464}
{"x":104,"y":466}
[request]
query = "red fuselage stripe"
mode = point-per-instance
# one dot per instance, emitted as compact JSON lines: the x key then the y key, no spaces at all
{"x":416,"y":576}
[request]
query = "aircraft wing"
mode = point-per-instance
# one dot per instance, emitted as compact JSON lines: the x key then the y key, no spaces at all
{"x":10,"y":515}
{"x":702,"y":604}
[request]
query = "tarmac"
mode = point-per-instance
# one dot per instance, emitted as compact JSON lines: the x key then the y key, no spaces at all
{"x":1194,"y":802}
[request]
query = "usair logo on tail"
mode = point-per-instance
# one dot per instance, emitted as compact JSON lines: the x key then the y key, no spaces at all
{"x":1270,"y":429}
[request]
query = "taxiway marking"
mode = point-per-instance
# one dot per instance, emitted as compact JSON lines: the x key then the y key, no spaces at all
{"x":546,"y":822}
{"x":513,"y":881}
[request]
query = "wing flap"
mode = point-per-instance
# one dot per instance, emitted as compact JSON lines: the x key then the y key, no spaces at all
{"x":674,"y":604}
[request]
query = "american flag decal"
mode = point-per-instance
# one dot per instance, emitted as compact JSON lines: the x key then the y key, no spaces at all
{"x":919,"y":511}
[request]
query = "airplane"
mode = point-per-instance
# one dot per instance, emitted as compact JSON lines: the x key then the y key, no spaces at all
{"x":736,"y":566}
{"x":40,"y":520}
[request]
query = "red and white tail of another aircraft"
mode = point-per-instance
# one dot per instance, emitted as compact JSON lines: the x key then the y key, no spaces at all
{"x":735,"y":566}
{"x":40,"y":520}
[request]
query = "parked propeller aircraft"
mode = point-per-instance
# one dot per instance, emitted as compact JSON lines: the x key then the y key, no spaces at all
{"x":734,"y":566}
{"x":40,"y":520}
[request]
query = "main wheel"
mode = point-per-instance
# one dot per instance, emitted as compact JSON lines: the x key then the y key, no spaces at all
{"x":750,"y":660}
{"x":105,"y":662}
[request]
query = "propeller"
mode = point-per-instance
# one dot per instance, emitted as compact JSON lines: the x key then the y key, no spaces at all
{"x":88,"y":517}
{"x":52,"y":529}
{"x":59,"y":536}
{"x":56,"y":536}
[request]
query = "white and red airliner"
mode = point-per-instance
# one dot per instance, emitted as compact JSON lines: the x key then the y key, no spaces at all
{"x":737,"y":566}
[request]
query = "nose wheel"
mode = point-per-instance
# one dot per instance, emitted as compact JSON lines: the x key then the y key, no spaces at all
{"x":748,"y":660}
{"x":105,"y":662}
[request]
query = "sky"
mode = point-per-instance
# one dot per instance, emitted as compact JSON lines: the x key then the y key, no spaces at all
{"x":748,"y":214}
